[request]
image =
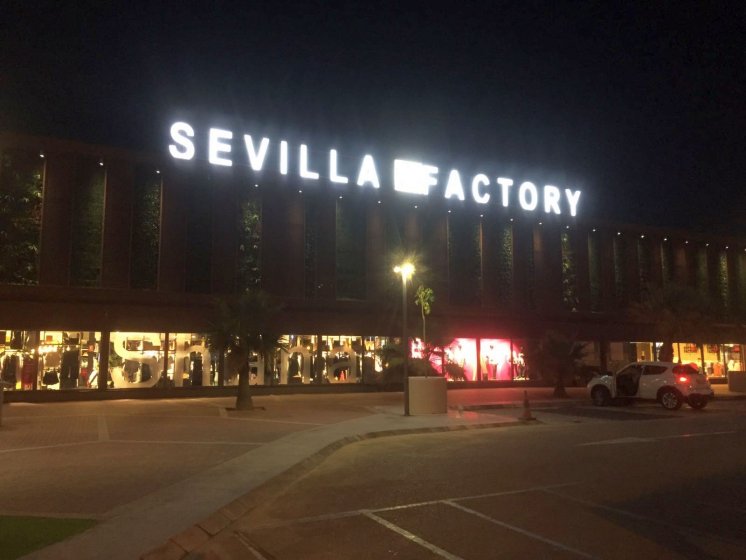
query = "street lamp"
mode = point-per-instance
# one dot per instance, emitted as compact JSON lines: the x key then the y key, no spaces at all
{"x":406,"y":270}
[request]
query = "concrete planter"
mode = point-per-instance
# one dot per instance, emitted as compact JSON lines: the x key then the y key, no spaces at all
{"x":428,"y":395}
{"x":737,"y":381}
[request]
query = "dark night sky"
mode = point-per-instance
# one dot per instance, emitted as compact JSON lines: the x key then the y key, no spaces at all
{"x":642,"y":106}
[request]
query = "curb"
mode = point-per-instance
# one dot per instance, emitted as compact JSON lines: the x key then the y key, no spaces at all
{"x":190,"y":540}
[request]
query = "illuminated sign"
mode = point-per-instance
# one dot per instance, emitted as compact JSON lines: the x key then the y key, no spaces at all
{"x":411,"y":177}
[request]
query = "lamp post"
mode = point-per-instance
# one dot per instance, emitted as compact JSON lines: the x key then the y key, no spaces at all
{"x":406,"y":270}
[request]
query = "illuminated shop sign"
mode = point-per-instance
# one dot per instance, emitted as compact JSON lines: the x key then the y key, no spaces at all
{"x":411,"y":177}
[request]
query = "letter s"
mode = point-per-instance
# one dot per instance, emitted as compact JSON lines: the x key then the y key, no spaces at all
{"x":180,"y":133}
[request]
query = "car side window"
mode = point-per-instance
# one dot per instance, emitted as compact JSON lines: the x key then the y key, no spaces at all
{"x":654,"y":370}
{"x":631,"y":370}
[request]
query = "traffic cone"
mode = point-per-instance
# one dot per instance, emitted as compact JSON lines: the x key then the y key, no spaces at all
{"x":526,"y":416}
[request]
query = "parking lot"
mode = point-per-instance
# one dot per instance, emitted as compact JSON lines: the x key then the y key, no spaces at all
{"x":584,"y":485}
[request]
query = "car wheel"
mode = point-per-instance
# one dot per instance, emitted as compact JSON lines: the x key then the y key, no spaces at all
{"x":600,"y":396}
{"x":697,"y":402}
{"x":670,"y":399}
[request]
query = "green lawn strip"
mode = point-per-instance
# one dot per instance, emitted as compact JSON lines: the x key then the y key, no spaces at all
{"x":21,"y":535}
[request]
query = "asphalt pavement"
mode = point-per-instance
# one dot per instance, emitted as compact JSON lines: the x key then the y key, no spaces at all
{"x":170,"y":478}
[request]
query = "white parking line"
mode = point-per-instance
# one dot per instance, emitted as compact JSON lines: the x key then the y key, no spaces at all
{"x":353,"y":513}
{"x":103,"y":428}
{"x":523,"y":532}
{"x":676,"y":527}
{"x":179,"y":442}
{"x":38,"y":447}
{"x":412,"y":537}
{"x":652,"y":439}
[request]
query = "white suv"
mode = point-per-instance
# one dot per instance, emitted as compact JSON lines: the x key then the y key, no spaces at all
{"x":668,"y":383}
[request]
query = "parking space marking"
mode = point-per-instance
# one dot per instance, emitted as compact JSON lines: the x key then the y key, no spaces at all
{"x":697,"y":434}
{"x":103,"y":428}
{"x":523,"y":532}
{"x":676,"y":527}
{"x":276,"y":421}
{"x":412,"y":537}
{"x":624,"y":440}
{"x":355,"y":512}
{"x":54,"y":446}
{"x":187,"y":442}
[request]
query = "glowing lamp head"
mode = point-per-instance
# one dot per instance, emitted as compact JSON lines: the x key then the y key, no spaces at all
{"x":405,"y":269}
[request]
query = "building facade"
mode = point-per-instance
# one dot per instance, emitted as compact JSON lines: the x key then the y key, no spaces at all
{"x":112,"y":261}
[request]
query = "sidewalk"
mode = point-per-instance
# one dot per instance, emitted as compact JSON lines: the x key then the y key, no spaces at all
{"x":165,"y":476}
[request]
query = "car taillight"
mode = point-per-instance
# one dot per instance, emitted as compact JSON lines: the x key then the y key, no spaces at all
{"x":683,"y":379}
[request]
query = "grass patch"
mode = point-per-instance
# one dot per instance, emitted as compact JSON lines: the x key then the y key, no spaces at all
{"x":21,"y":535}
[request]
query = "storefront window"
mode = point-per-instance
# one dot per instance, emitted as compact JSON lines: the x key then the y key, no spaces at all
{"x":19,"y":359}
{"x":135,"y":359}
{"x":68,"y":360}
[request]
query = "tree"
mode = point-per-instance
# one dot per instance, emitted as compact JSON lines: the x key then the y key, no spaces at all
{"x":424,"y":297}
{"x":240,"y":328}
{"x":555,"y":357}
{"x":676,"y":312}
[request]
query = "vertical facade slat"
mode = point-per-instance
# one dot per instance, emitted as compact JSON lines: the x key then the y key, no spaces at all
{"x":172,"y":258}
{"x":115,"y":261}
{"x":56,"y":227}
{"x":582,"y":268}
{"x":225,"y":228}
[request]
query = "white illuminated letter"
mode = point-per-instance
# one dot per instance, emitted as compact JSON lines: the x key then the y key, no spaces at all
{"x":304,"y":171}
{"x":480,"y":180}
{"x":334,"y":177}
{"x":217,"y":146}
{"x":572,"y":199}
{"x":505,"y":185}
{"x":283,"y":157}
{"x":180,"y":133}
{"x":414,"y":177}
{"x":551,"y":199}
{"x":368,"y":172}
{"x":454,"y":185}
{"x":528,"y":196}
{"x":256,"y":158}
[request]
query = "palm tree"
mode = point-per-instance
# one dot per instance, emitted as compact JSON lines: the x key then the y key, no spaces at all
{"x":556,"y":356}
{"x":241,"y":327}
{"x":423,"y":298}
{"x":676,"y":311}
